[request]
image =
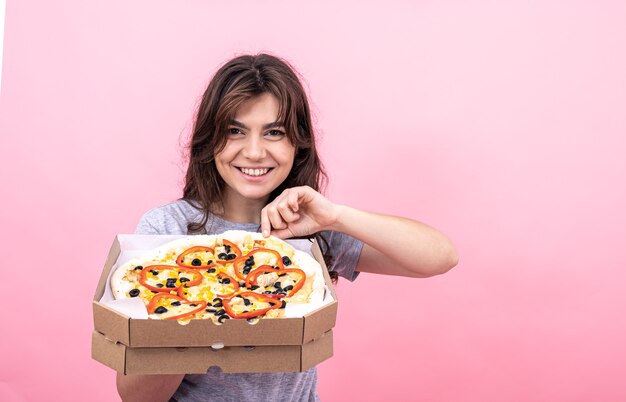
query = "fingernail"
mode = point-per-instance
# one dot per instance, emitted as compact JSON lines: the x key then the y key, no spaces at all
{"x":266,"y":233}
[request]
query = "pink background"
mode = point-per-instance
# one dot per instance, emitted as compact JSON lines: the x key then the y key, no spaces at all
{"x":501,"y":124}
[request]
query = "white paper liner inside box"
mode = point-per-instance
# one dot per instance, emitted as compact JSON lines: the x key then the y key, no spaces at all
{"x":134,"y":246}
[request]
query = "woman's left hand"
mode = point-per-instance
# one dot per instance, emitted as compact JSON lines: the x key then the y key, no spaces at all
{"x":298,"y":211}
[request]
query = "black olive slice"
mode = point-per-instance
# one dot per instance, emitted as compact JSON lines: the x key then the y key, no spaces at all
{"x":134,"y":292}
{"x":160,"y":310}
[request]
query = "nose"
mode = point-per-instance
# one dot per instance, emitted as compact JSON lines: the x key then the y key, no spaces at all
{"x":254,"y":149}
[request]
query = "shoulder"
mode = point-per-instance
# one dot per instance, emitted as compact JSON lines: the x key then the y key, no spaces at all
{"x":171,"y":218}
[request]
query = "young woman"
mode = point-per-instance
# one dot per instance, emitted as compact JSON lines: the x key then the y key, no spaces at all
{"x":254,"y":166}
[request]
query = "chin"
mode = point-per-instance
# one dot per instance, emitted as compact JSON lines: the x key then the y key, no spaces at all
{"x":256,"y":194}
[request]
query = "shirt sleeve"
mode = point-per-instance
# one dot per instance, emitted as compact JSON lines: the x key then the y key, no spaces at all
{"x":145,"y":227}
{"x":345,"y":251}
{"x":159,"y":221}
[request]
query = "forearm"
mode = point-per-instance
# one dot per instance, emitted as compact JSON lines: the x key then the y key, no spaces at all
{"x":400,"y":246}
{"x":152,"y":388}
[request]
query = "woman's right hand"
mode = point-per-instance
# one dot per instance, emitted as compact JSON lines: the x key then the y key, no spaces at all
{"x":298,"y":211}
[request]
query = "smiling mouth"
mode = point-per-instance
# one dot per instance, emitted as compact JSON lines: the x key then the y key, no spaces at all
{"x":254,"y":172}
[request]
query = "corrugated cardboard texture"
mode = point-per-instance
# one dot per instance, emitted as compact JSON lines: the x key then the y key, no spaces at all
{"x":315,"y":325}
{"x":112,"y":323}
{"x":155,"y":333}
{"x":234,"y":359}
{"x":313,"y":353}
{"x":111,"y":258}
{"x":107,"y":352}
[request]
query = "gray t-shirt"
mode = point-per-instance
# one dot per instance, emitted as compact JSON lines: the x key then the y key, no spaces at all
{"x":216,"y":385}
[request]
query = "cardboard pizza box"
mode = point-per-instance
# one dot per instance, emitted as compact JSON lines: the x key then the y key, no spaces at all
{"x":197,"y":360}
{"x":142,"y":333}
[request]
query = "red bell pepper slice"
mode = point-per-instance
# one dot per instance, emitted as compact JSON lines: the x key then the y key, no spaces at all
{"x":143,"y":278}
{"x":240,"y":263}
{"x":195,"y":274}
{"x":254,"y":313}
{"x":253,"y":277}
{"x":233,"y":281}
{"x":183,"y":291}
{"x":233,"y":250}
{"x":180,"y":260}
{"x":166,"y":299}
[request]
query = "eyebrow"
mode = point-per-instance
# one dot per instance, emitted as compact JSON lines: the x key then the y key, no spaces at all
{"x":265,"y":126}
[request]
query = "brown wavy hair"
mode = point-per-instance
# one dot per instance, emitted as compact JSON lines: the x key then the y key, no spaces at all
{"x":237,"y":81}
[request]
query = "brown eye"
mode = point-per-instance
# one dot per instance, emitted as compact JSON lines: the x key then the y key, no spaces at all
{"x":234,"y":131}
{"x":275,"y":133}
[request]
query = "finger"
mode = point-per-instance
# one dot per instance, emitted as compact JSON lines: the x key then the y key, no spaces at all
{"x":286,"y":212}
{"x":292,"y":199}
{"x":266,"y":226}
{"x":275,"y":218}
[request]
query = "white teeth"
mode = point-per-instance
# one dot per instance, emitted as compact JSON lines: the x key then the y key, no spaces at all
{"x":254,"y":172}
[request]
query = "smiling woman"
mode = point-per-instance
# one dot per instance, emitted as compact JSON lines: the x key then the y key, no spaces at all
{"x":254,"y":114}
{"x":257,"y":156}
{"x":253,"y":165}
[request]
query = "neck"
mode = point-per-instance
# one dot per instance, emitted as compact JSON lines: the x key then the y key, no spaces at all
{"x":241,"y":210}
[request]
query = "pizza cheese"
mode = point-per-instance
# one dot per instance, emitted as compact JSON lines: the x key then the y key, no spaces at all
{"x":235,"y":275}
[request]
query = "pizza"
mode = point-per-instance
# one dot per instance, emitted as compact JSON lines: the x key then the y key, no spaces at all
{"x":234,"y":275}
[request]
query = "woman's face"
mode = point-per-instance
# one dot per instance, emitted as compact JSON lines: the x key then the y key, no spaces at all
{"x":258,"y":156}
